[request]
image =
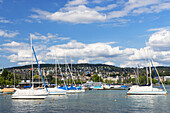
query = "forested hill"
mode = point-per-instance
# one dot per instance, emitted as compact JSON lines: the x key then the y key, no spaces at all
{"x":94,"y":67}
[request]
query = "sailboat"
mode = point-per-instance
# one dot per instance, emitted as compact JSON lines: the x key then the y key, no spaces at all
{"x":148,"y":89}
{"x":56,"y":90}
{"x":72,"y":89}
{"x":31,"y":93}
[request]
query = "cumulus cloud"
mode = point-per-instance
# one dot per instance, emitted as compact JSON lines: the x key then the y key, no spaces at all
{"x":13,"y":44}
{"x":109,"y":63}
{"x":76,"y":2}
{"x":47,"y":37}
{"x":157,"y":48}
{"x":79,"y":49}
{"x":20,"y":52}
{"x":76,"y":14}
{"x":6,"y":33}
{"x":108,"y":7}
{"x":88,"y":53}
{"x":81,"y":11}
{"x":132,"y":6}
{"x":83,"y":61}
{"x":160,"y":40}
{"x":3,"y":20}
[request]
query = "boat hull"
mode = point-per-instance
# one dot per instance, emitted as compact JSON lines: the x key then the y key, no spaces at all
{"x":147,"y":93}
{"x":71,"y":91}
{"x":57,"y":93}
{"x":30,"y":94}
{"x":80,"y":91}
{"x":29,"y":97}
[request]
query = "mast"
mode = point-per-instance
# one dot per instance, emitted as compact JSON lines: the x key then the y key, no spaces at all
{"x":136,"y":77}
{"x":66,"y":69}
{"x":32,"y":62}
{"x":61,"y":73}
{"x":138,"y":74}
{"x":71,"y":74}
{"x":146,"y":63}
{"x":56,"y":72}
{"x":158,"y":77}
{"x":14,"y":77}
{"x":150,"y":74}
{"x":147,"y":71}
{"x":71,"y":63}
{"x":39,"y":68}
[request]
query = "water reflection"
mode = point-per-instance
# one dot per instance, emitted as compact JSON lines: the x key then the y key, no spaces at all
{"x":149,"y":103}
{"x":90,"y":101}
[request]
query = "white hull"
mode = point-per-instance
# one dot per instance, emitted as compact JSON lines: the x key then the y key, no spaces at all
{"x":56,"y":91}
{"x":145,"y":90}
{"x":80,"y":91}
{"x":71,"y":91}
{"x":29,"y":97}
{"x":147,"y":93}
{"x":29,"y":94}
{"x":75,"y":91}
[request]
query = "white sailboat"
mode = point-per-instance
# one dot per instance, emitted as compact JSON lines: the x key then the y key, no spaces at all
{"x":148,"y":89}
{"x":72,"y":89}
{"x":56,"y":90}
{"x":31,"y":93}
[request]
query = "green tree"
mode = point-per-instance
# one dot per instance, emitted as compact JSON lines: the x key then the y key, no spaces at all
{"x":96,"y":78}
{"x":154,"y":81}
{"x":11,"y":82}
{"x":37,"y":77}
{"x":50,"y":78}
{"x":106,"y":81}
{"x":118,"y":81}
{"x":133,"y":80}
{"x":7,"y":82}
{"x":142,"y":79}
{"x":4,"y":74}
{"x":2,"y":81}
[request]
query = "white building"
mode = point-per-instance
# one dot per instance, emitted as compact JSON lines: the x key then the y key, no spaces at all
{"x":112,"y":78}
{"x":166,"y":78}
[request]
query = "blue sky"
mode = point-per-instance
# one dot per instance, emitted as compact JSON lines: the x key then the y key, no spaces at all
{"x":114,"y":32}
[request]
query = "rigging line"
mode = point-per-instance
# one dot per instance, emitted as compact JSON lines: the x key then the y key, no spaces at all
{"x":39,"y":68}
{"x":156,"y":74}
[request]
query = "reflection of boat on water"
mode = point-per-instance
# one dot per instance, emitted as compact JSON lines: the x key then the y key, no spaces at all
{"x":148,"y":89}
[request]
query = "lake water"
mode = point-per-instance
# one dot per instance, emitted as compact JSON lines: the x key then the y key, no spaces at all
{"x":96,"y":101}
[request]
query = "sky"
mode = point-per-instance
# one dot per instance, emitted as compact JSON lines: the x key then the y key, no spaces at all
{"x":115,"y":32}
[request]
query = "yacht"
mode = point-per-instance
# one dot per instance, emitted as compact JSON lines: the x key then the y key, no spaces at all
{"x":31,"y":93}
{"x":148,"y":89}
